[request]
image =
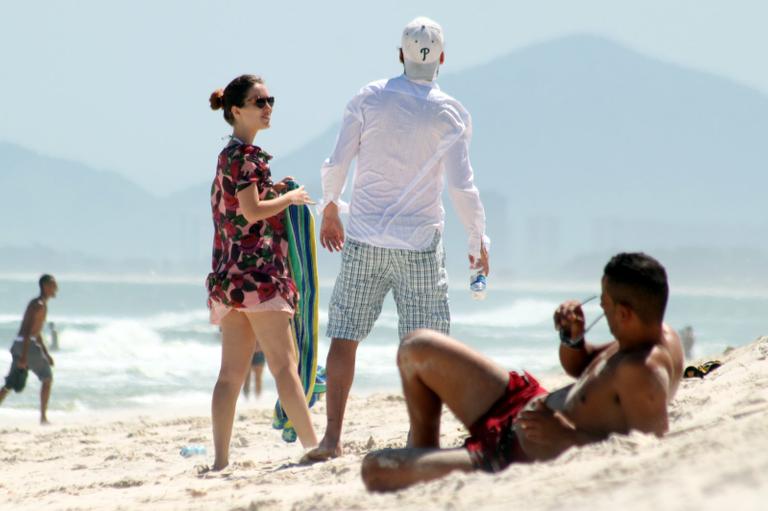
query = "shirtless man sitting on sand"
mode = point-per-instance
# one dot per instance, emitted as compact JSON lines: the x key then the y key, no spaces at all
{"x":621,"y":386}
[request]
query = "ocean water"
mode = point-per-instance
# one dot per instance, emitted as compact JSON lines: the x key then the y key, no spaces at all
{"x":146,"y":343}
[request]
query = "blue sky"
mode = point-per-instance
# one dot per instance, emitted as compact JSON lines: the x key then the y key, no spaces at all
{"x":123,"y":86}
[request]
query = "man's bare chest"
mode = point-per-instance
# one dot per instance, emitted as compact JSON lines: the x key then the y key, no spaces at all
{"x":592,"y":402}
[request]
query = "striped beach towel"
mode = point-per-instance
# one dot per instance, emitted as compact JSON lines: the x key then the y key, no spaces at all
{"x":300,"y":225}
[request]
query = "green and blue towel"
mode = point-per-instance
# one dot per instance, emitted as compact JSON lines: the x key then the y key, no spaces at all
{"x":302,"y":254}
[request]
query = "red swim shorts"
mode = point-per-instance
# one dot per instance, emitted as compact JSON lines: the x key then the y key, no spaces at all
{"x":493,"y":444}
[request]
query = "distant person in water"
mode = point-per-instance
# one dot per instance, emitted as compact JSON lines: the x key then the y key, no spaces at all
{"x":621,"y":386}
{"x":54,"y":336}
{"x":251,"y":294}
{"x":257,"y":371}
{"x":688,"y":339}
{"x":28,"y":350}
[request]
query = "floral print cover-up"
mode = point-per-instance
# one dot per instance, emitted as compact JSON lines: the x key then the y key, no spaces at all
{"x":250,"y":260}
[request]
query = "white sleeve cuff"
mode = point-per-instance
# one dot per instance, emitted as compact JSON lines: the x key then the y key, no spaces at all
{"x":343,"y":206}
{"x":474,"y":245}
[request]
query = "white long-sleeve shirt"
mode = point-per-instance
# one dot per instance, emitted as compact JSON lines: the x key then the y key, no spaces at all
{"x":408,"y":136}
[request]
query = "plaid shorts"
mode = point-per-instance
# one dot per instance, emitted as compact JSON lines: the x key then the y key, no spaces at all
{"x":418,"y":281}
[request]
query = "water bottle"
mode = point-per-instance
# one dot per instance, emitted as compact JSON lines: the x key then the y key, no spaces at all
{"x":192,"y":450}
{"x":477,"y":284}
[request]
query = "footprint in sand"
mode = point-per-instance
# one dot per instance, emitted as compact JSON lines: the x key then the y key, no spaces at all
{"x":125,"y":483}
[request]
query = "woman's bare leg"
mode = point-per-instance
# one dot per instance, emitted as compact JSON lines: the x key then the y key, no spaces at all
{"x":273,"y":330}
{"x":237,"y":342}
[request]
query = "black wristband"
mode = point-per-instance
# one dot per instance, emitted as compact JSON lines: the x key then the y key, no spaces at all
{"x":575,"y":345}
{"x":571,"y":343}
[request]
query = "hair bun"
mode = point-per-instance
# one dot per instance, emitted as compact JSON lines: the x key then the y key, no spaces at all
{"x":217,"y":99}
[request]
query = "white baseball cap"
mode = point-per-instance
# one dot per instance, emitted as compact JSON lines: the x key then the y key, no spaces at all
{"x":422,"y":45}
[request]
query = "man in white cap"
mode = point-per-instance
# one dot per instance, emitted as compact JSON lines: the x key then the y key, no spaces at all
{"x":408,"y":137}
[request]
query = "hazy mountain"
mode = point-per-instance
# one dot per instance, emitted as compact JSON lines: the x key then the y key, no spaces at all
{"x":581,"y":147}
{"x":65,"y":204}
{"x":60,"y":212}
{"x":599,"y":148}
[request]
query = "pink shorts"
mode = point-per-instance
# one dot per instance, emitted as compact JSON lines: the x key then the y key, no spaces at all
{"x":277,"y":304}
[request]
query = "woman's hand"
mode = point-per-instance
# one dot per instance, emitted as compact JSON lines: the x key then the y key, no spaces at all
{"x":299,"y":197}
{"x":282,"y":185}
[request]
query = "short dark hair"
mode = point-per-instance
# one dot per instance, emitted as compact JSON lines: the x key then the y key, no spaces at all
{"x":44,"y":279}
{"x":233,"y":94}
{"x":639,"y":282}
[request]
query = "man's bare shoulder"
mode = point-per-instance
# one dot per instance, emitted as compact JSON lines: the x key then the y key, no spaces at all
{"x":35,"y":305}
{"x":36,"y":311}
{"x":638,"y":366}
{"x":666,"y":351}
{"x":650,"y":370}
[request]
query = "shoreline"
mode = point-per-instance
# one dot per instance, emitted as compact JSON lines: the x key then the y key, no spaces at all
{"x":170,"y":408}
{"x":456,"y":284}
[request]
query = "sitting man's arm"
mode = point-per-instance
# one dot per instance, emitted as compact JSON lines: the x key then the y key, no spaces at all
{"x":569,"y":318}
{"x":575,"y":359}
{"x":551,"y":432}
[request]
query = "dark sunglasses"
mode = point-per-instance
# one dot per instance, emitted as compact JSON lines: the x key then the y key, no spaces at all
{"x":262,"y":102}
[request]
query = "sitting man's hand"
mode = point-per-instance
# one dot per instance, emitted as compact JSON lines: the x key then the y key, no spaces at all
{"x":541,"y":425}
{"x":569,"y":317}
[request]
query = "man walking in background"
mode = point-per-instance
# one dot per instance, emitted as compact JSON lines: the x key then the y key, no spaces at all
{"x":408,"y":138}
{"x":29,"y":351}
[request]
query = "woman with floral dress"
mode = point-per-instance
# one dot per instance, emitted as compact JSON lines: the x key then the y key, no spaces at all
{"x":250,"y":291}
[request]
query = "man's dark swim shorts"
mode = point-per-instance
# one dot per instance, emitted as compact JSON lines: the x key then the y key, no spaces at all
{"x":493,"y":444}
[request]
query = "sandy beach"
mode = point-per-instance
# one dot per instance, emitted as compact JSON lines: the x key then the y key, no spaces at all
{"x":714,"y":457}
